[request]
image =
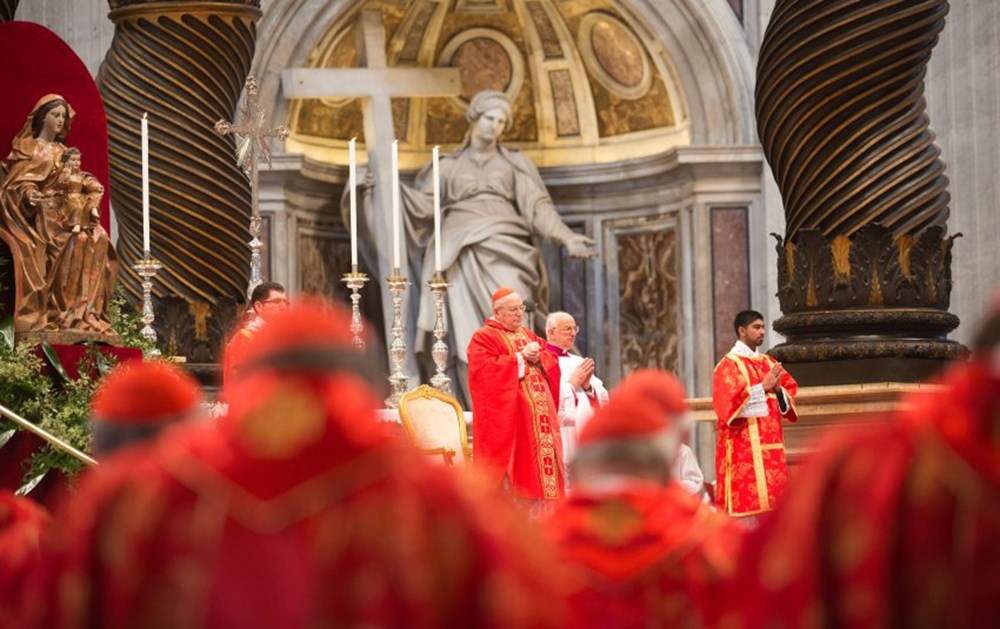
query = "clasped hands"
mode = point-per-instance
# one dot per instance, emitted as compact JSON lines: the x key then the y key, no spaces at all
{"x":772,"y":380}
{"x":580,"y":378}
{"x":530,"y":352}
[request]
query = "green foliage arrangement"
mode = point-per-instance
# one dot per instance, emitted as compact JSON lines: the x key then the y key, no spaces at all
{"x":57,"y":403}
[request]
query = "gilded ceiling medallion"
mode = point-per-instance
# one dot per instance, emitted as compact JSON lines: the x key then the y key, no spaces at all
{"x":487,"y":60}
{"x":614,"y":55}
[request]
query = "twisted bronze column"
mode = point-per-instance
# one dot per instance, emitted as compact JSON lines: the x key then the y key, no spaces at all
{"x":864,"y":269}
{"x":183,"y":62}
{"x":7,"y":10}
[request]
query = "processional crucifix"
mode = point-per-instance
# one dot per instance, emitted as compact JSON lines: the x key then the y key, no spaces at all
{"x":251,"y":148}
{"x":376,"y":84}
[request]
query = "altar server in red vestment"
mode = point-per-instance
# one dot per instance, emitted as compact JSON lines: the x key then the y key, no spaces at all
{"x":897,"y":525}
{"x":515,"y":423}
{"x":266,"y":301}
{"x":751,"y":394}
{"x":642,"y":550}
{"x":138,"y":400}
{"x":295,"y":510}
{"x":22,"y":522}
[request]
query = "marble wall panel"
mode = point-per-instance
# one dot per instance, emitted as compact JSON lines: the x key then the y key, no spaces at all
{"x":730,"y":271}
{"x":546,"y":31}
{"x":567,"y":118}
{"x":323,"y":255}
{"x":648,"y":313}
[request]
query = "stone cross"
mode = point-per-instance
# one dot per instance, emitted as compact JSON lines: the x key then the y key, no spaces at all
{"x":376,"y":83}
{"x":251,"y":148}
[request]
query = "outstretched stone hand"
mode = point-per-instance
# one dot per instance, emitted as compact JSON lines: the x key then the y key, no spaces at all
{"x":580,"y":246}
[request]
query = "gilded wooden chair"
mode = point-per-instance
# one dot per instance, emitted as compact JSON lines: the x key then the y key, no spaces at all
{"x":435,"y":425}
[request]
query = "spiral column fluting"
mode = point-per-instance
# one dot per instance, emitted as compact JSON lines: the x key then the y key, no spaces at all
{"x":864,"y":265}
{"x":184,"y":63}
{"x":7,"y":10}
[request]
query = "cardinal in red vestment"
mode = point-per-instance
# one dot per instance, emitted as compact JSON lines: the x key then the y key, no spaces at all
{"x":751,"y":394}
{"x":514,"y":386}
{"x":296,"y":510}
{"x":895,"y":526}
{"x":641,"y":550}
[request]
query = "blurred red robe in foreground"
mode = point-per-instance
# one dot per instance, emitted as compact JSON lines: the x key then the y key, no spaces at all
{"x":295,"y":511}
{"x":897,"y":527}
{"x":22,"y":523}
{"x":641,"y":551}
{"x":644,"y":556}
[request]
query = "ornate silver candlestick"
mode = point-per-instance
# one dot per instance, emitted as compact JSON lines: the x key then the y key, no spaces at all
{"x":255,"y":246}
{"x":397,"y":348}
{"x":147,"y":268}
{"x":356,"y":281}
{"x":439,"y":351}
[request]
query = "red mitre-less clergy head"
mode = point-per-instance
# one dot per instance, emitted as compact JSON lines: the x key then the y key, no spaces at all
{"x":152,"y":392}
{"x":502,"y":292}
{"x":647,"y":402}
{"x":303,"y":395}
{"x":138,"y":400}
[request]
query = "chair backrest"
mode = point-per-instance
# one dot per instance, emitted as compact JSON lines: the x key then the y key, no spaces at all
{"x":435,"y":424}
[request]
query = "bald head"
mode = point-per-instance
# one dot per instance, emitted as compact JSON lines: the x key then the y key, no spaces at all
{"x":561,"y":330}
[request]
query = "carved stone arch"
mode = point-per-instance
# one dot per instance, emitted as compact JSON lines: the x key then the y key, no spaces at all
{"x":719,"y":68}
{"x":710,"y":57}
{"x":290,"y":32}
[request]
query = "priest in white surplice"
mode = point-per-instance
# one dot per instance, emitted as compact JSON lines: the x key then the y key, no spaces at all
{"x":580,"y":391}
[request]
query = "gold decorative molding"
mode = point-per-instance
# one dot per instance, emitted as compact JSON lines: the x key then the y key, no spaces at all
{"x":826,"y":410}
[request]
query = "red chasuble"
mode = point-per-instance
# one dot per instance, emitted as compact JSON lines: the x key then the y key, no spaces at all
{"x":643,"y":555}
{"x":515,"y":424}
{"x":897,"y":525}
{"x":296,"y":510}
{"x":750,"y":468}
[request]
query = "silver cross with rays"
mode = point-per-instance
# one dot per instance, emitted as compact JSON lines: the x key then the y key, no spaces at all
{"x":252,"y":147}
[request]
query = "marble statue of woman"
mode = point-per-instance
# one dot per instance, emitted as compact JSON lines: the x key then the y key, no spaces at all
{"x":63,"y":273}
{"x":494,"y":210}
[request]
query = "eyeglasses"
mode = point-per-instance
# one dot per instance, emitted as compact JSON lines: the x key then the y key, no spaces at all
{"x":276,"y":300}
{"x":513,"y":308}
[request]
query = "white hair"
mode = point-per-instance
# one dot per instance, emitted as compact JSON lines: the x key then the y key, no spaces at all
{"x":648,"y":456}
{"x":553,"y":319}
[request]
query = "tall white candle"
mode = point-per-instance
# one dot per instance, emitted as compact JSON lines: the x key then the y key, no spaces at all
{"x":436,"y":173}
{"x":395,"y":205}
{"x":352,"y":181}
{"x":145,"y":185}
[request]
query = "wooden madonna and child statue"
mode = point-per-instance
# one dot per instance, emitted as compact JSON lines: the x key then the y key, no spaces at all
{"x":59,"y":256}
